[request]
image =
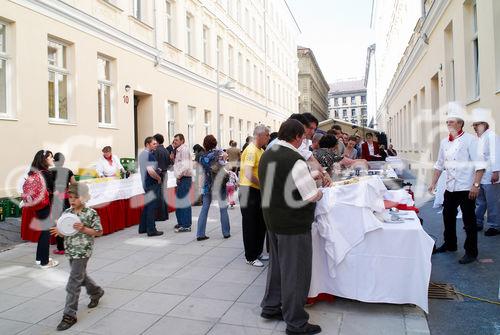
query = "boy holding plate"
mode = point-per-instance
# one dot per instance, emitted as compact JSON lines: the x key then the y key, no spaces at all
{"x":79,"y":243}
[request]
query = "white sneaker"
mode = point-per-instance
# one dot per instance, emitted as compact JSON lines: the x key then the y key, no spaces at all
{"x":37,"y":262}
{"x":255,"y":263}
{"x":264,"y":258}
{"x":52,"y":263}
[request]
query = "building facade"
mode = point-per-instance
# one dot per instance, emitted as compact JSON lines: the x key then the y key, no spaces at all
{"x":312,"y":85}
{"x":78,"y":75}
{"x":452,"y":59}
{"x":348,"y":102}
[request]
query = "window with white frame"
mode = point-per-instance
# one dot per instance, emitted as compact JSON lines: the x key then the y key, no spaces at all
{"x":139,"y":10}
{"x":238,"y":11}
{"x":189,"y":34}
{"x":353,"y":100}
{"x":104,"y":91}
{"x":230,"y":60}
{"x":171,"y":111}
{"x":207,"y":122}
{"x":221,"y":125}
{"x":255,"y":79}
{"x":254,"y":29}
{"x":247,"y":21}
{"x":475,"y":51}
{"x":58,"y":81}
{"x":206,"y":44}
{"x":240,"y":132}
{"x":240,"y":67}
{"x":231,"y":128}
{"x":3,"y":69}
{"x":248,"y":75}
{"x":220,"y":52}
{"x":169,"y":25}
{"x":262,"y":82}
{"x":191,"y":122}
{"x":249,"y":128}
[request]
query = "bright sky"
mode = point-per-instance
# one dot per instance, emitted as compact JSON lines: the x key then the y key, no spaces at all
{"x":338,"y":32}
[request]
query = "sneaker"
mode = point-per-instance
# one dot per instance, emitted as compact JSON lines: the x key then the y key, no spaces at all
{"x":264,"y":258}
{"x":95,"y":301}
{"x":257,"y":263}
{"x":38,"y":262}
{"x":227,"y":236}
{"x":52,"y":263}
{"x":182,"y":229}
{"x":58,"y":252}
{"x":66,"y":322}
{"x":202,"y":238}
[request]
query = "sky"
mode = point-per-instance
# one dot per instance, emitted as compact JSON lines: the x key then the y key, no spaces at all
{"x":338,"y":32}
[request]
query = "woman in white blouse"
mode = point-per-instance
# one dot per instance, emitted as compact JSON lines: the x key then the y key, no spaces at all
{"x":108,"y":164}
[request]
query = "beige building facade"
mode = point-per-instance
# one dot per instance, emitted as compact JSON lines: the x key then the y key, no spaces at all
{"x":78,"y":75}
{"x":453,"y":57}
{"x":312,"y":85}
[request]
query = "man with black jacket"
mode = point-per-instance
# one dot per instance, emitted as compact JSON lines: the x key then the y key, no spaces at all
{"x":165,"y":162}
{"x":289,"y":193}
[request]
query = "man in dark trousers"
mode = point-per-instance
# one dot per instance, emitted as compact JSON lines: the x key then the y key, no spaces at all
{"x":289,"y":194}
{"x":162,"y":156}
{"x":151,"y":182}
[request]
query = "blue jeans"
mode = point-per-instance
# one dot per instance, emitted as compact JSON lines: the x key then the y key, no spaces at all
{"x":224,"y":217}
{"x":488,"y":200}
{"x":148,"y":222}
{"x":183,"y":202}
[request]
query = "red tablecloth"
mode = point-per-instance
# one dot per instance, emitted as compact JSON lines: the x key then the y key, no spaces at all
{"x":115,"y":215}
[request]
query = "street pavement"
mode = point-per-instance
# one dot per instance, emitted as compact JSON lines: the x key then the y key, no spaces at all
{"x":173,"y":285}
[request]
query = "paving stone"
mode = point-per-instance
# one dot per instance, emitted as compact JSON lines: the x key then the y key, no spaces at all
{"x":201,"y":309}
{"x":247,"y":315}
{"x":32,"y":311}
{"x":179,"y":326}
{"x":123,"y":323}
{"x":220,"y":290}
{"x":177,"y":286}
{"x":153,"y":303}
{"x":9,"y":327}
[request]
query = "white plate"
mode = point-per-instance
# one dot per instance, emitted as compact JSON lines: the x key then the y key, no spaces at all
{"x":65,"y":224}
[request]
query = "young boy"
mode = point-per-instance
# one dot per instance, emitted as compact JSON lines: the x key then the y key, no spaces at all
{"x":79,"y":249}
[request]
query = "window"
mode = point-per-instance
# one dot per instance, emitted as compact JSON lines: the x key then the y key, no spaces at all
{"x":168,"y":23}
{"x":335,"y":101}
{"x":230,"y":60}
{"x":238,"y":11}
{"x":254,"y":29}
{"x":336,"y":113}
{"x":58,"y":81}
{"x":140,"y":10}
{"x":189,"y":34}
{"x":449,"y":62}
{"x":262,"y":82}
{"x":220,"y":59}
{"x":231,"y":128}
{"x":353,"y":113}
{"x":344,"y":113}
{"x":104,"y":91}
{"x":255,"y":78}
{"x":208,"y":122}
{"x":240,"y":67}
{"x":171,"y":111}
{"x":206,"y":44}
{"x":472,"y":49}
{"x":191,"y":121}
{"x":363,"y":99}
{"x":240,"y":132}
{"x":475,"y":51}
{"x":344,"y":101}
{"x":353,"y":100}
{"x":3,"y":69}
{"x":249,"y":128}
{"x":247,"y":21}
{"x":248,"y":77}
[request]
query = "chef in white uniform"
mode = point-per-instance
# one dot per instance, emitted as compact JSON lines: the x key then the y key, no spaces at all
{"x":108,"y":164}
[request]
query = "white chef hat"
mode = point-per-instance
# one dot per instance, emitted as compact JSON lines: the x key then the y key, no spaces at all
{"x":455,"y":110}
{"x":482,"y":115}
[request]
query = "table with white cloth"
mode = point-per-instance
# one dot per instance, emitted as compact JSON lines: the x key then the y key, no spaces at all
{"x":358,"y":256}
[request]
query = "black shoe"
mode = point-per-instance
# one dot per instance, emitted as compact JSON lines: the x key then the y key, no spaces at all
{"x":492,"y":232}
{"x":227,"y":236}
{"x":203,"y":238}
{"x":308,"y":329}
{"x":95,"y":301}
{"x":443,"y":248}
{"x":467,"y":259}
{"x":156,"y":233}
{"x":176,"y":226}
{"x":66,"y":322}
{"x":272,"y":316}
{"x":142,"y":232}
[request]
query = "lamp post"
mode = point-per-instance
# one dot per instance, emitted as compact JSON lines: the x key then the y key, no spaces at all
{"x":228,"y":86}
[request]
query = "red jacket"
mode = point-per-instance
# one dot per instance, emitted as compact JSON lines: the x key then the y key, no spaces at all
{"x":365,"y":152}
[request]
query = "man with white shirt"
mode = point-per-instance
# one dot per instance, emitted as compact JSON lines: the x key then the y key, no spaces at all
{"x":183,"y":171}
{"x":458,"y":155}
{"x":108,"y":164}
{"x":289,"y":194}
{"x":489,"y":192}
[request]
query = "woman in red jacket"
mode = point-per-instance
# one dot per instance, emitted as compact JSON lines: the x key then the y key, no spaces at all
{"x":370,"y":149}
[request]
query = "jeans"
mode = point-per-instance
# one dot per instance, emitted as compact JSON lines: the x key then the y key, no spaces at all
{"x":148,"y":222}
{"x":183,"y":202}
{"x":451,"y":201}
{"x":77,"y":278}
{"x":488,"y":200}
{"x":224,"y":217}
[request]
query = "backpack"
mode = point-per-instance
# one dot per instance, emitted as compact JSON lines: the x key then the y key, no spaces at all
{"x":35,"y":194}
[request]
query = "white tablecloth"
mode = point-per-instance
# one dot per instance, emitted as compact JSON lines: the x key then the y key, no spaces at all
{"x":357,"y":256}
{"x":118,"y":189}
